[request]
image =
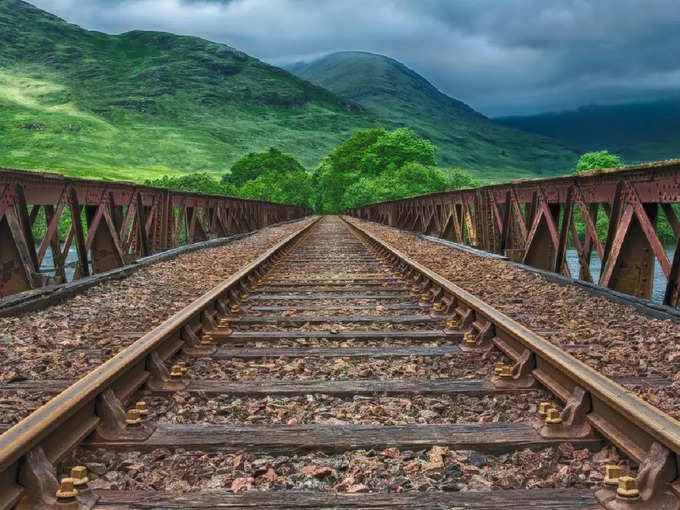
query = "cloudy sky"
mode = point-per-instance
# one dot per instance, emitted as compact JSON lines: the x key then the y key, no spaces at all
{"x":500,"y":56}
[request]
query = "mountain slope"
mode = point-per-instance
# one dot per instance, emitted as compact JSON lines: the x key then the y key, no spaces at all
{"x":142,"y":103}
{"x":464,"y":137}
{"x":638,"y":132}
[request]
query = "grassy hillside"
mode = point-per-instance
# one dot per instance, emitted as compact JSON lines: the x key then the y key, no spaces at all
{"x":463,"y":136}
{"x":638,"y":132}
{"x":143,"y":104}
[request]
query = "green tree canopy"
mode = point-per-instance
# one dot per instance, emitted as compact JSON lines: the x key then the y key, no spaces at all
{"x":597,"y":161}
{"x":198,"y":182}
{"x":253,"y":165}
{"x":369,"y":154}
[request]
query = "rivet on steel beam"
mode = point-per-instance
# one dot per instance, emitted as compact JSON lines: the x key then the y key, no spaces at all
{"x":553,"y":417}
{"x":182,"y":366}
{"x":438,"y":307}
{"x":498,"y":368}
{"x":234,"y":308}
{"x":244,"y":298}
{"x":66,"y":491}
{"x":79,"y":476}
{"x":176,"y":371}
{"x":132,"y":418}
{"x":207,"y":339}
{"x":142,"y":408}
{"x":612,"y":473}
{"x":628,"y":489}
{"x":543,"y":408}
{"x":469,"y":338}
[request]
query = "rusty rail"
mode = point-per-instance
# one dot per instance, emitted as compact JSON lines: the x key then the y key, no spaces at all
{"x":90,"y":405}
{"x":592,"y":400}
{"x":533,"y":222}
{"x":111,"y":224}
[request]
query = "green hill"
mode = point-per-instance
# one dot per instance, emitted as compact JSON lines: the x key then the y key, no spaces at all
{"x":638,"y":132}
{"x":141,"y":104}
{"x":464,"y":137}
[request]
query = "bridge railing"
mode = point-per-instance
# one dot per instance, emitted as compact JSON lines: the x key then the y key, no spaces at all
{"x":536,"y":221}
{"x":109,"y":224}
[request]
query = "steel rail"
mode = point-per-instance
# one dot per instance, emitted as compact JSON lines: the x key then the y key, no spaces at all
{"x":629,"y":422}
{"x":63,"y":422}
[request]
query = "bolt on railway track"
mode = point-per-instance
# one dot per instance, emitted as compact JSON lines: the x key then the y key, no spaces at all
{"x":334,"y":372}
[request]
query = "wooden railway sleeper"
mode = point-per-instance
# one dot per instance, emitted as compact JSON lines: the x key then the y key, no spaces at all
{"x":652,"y":489}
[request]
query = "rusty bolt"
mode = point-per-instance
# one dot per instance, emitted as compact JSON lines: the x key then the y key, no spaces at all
{"x":142,"y":409}
{"x":505,"y":372}
{"x":438,"y":307}
{"x":498,"y":367}
{"x":66,"y":490}
{"x":176,"y":371}
{"x":182,"y":366}
{"x":244,"y":298}
{"x":553,"y":417}
{"x":628,"y":488}
{"x":469,"y":337}
{"x":612,"y":473}
{"x":224,"y":323}
{"x":79,"y":476}
{"x":425,"y":297}
{"x":543,"y":408}
{"x":234,"y":308}
{"x":206,"y":339}
{"x":132,"y":418}
{"x":415,"y":289}
{"x":452,"y":323}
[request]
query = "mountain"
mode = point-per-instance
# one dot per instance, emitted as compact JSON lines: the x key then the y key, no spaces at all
{"x":465,"y":138}
{"x":141,"y":104}
{"x":638,"y":132}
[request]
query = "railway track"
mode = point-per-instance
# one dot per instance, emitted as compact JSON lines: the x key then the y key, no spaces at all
{"x":335,"y":372}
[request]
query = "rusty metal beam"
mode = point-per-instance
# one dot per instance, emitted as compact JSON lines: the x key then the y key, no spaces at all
{"x":520,"y":219}
{"x":124,"y":221}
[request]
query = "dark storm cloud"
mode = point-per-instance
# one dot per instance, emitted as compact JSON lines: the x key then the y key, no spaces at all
{"x":502,"y":56}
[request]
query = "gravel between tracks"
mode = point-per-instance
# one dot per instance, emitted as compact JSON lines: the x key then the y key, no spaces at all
{"x":622,"y":341}
{"x":322,"y":409}
{"x":389,"y":470}
{"x":458,"y":366}
{"x":54,"y":343}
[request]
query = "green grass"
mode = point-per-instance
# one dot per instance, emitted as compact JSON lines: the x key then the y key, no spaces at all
{"x":141,"y":105}
{"x":464,"y":137}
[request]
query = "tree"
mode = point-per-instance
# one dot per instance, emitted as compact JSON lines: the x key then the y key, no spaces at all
{"x":198,"y":182}
{"x":394,"y":149}
{"x":597,"y":161}
{"x":366,"y":156}
{"x":253,"y":165}
{"x":408,"y":180}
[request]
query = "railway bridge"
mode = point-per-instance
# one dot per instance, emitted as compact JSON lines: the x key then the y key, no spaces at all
{"x":162,"y":349}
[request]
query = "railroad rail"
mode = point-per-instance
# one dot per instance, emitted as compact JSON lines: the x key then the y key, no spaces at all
{"x":535,"y":221}
{"x":332,"y":290}
{"x":110,"y":224}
